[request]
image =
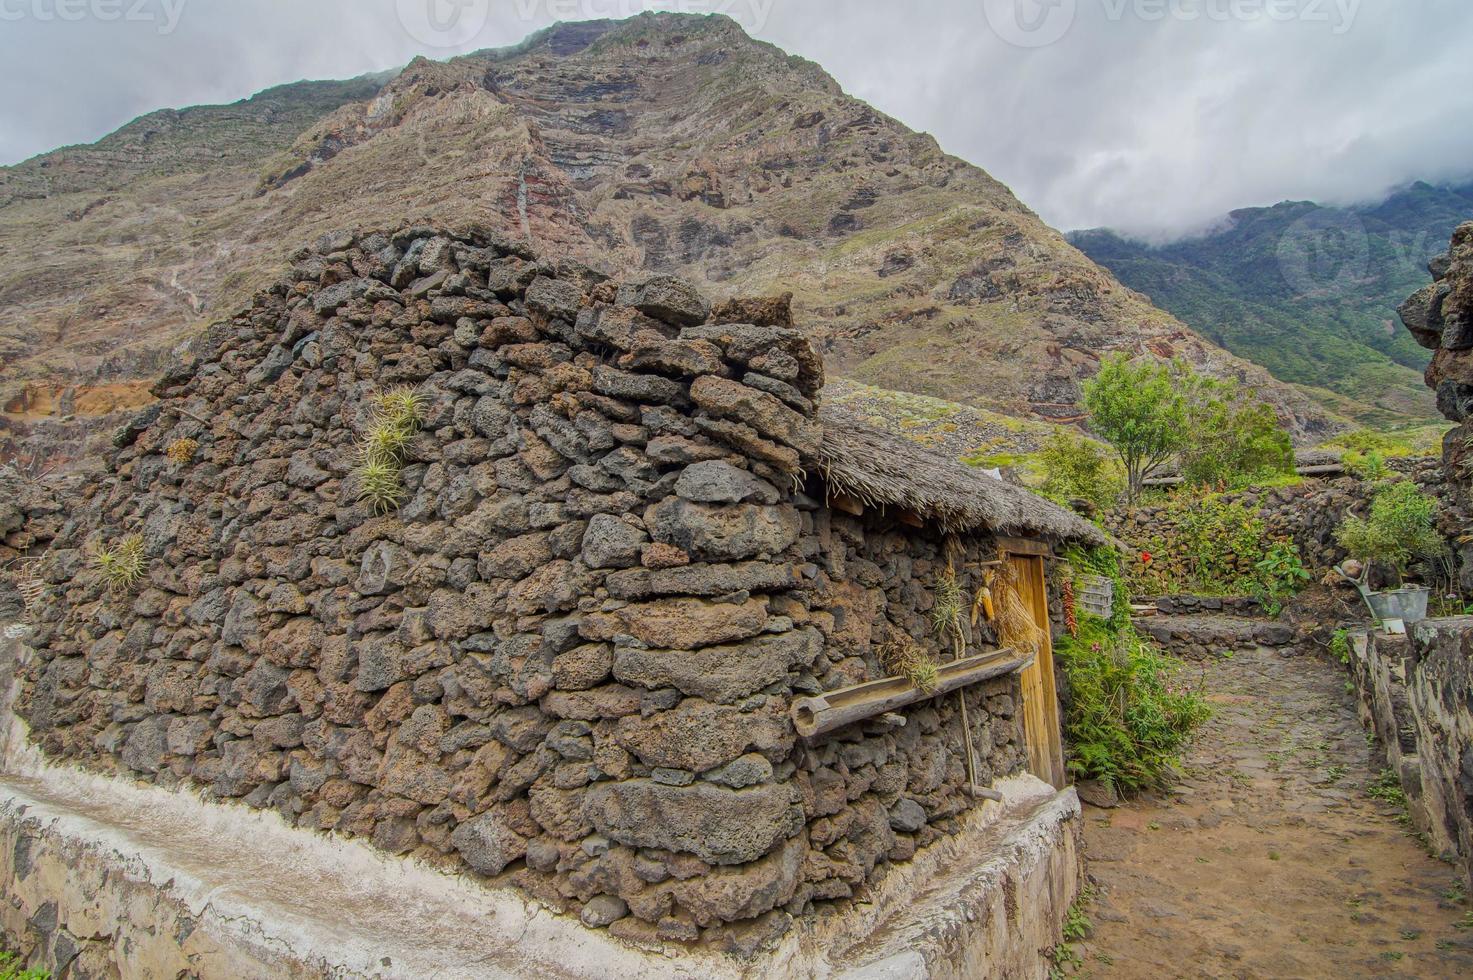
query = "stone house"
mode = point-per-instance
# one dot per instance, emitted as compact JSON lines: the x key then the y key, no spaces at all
{"x":630,"y":550}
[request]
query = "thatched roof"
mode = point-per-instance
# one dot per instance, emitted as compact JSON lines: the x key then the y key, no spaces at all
{"x":882,"y":470}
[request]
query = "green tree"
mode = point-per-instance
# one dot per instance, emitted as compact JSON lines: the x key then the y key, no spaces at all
{"x":1139,"y":410}
{"x":1078,"y":469}
{"x":1233,"y":438}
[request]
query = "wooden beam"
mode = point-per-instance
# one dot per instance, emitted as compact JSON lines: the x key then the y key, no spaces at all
{"x":1024,"y":546}
{"x":835,"y":709}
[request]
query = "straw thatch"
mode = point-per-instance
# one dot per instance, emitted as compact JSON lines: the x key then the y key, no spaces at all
{"x":882,"y":470}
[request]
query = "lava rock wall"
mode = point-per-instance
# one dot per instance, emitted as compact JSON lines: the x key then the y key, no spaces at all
{"x":566,"y":661}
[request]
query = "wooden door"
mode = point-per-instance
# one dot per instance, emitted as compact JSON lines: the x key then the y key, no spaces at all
{"x":1040,"y":694}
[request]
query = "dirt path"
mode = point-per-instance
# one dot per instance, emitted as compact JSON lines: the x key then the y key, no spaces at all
{"x":1271,"y":859}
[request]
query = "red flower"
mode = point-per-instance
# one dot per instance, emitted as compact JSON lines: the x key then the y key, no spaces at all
{"x":1146,"y":557}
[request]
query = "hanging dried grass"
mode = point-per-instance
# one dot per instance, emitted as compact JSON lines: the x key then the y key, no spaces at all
{"x":1016,"y":627}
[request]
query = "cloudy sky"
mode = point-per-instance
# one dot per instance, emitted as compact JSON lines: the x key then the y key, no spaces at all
{"x":1152,"y":116}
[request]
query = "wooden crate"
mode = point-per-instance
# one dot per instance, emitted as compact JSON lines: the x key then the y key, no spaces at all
{"x":1097,"y":595}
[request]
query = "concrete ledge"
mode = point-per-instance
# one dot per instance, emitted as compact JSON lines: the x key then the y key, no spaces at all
{"x":108,"y":877}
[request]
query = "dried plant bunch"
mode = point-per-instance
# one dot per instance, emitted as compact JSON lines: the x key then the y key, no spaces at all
{"x":32,"y":588}
{"x":1016,"y":627}
{"x":905,"y":658}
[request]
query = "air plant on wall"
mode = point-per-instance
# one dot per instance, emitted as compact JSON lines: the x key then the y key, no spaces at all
{"x":381,"y":454}
{"x":121,"y":564}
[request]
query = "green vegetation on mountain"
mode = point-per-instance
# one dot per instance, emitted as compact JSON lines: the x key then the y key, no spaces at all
{"x":1309,"y":292}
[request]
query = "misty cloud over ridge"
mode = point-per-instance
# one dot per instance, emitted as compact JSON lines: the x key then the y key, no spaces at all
{"x":1154,"y":117}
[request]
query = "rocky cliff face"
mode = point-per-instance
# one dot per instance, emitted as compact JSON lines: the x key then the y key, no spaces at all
{"x":1440,"y":317}
{"x":665,"y":143}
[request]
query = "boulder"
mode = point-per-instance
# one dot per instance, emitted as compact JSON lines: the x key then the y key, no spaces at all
{"x":765,"y":413}
{"x":487,"y":844}
{"x":699,"y":736}
{"x":718,"y":482}
{"x":716,"y":824}
{"x":612,"y":543}
{"x":711,"y":532}
{"x":676,"y":623}
{"x":666,"y":298}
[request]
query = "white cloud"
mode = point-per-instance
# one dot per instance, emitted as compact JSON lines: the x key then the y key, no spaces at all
{"x":1152,"y":116}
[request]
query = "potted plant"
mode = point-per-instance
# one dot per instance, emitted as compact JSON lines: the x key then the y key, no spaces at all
{"x":1400,"y":526}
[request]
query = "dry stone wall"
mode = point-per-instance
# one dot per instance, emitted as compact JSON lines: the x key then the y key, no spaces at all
{"x":567,"y":660}
{"x":1309,"y":514}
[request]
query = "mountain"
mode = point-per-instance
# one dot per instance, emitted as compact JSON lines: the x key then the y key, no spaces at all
{"x":666,"y":142}
{"x":1307,"y":291}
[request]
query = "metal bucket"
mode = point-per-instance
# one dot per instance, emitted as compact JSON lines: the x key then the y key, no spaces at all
{"x":1407,"y":605}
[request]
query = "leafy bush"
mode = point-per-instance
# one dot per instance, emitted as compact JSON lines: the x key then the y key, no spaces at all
{"x":1130,"y":712}
{"x":1076,"y":468}
{"x":1400,"y":528}
{"x":1368,"y":466}
{"x":10,"y":969}
{"x":1281,"y":573}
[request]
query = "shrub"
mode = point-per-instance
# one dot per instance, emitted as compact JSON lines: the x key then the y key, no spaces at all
{"x":1076,"y":468}
{"x":1234,"y":439}
{"x":1130,"y":712}
{"x":122,"y":564}
{"x":1281,"y":574}
{"x":1399,"y":528}
{"x":1368,"y":466}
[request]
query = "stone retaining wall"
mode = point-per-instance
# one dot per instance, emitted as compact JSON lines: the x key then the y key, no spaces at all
{"x":566,"y":661}
{"x":1416,"y":694}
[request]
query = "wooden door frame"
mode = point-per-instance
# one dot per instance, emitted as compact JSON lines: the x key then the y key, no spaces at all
{"x":1043,"y":735}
